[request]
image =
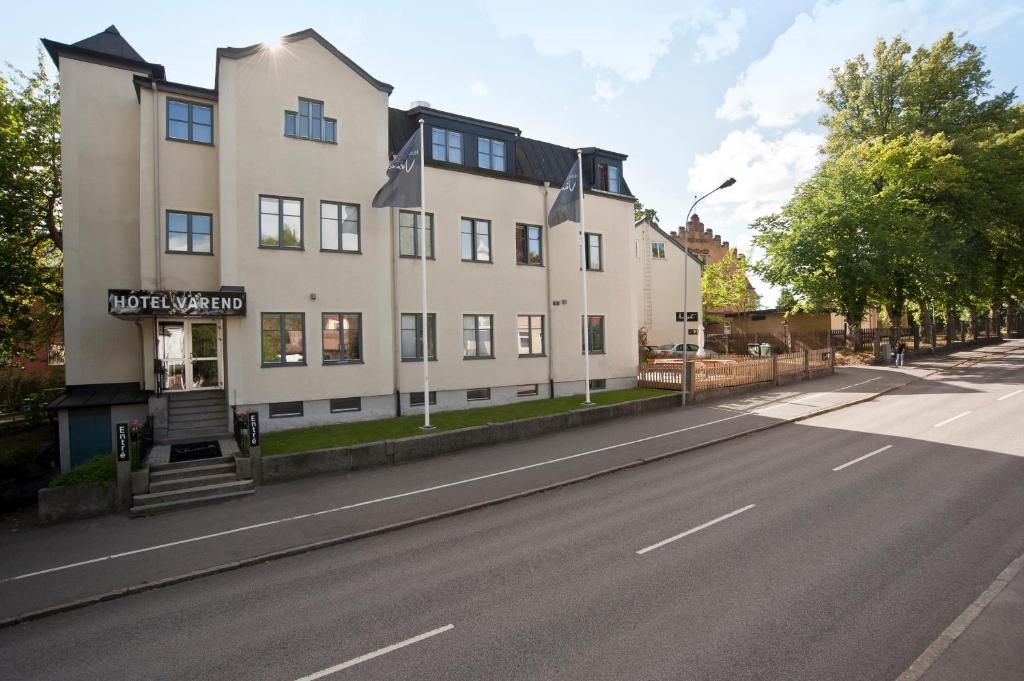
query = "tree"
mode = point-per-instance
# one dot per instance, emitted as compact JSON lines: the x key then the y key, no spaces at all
{"x":641,"y":213}
{"x":30,"y":209}
{"x":724,"y":287}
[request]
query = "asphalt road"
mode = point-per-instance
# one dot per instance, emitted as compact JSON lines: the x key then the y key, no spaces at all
{"x":835,"y":548}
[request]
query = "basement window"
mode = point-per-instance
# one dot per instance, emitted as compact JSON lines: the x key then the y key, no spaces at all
{"x":285,"y":409}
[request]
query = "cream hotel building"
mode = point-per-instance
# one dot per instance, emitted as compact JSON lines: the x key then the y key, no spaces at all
{"x":221,"y":251}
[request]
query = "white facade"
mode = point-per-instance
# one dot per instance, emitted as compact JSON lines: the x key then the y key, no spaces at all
{"x":662,"y":273}
{"x":129,"y":177}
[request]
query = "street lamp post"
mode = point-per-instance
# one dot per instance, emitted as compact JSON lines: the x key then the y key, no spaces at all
{"x":686,"y":280}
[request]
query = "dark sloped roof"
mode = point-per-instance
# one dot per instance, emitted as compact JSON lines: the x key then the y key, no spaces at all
{"x":536,"y":161}
{"x":100,"y":395}
{"x":107,"y":47}
{"x":110,"y":42}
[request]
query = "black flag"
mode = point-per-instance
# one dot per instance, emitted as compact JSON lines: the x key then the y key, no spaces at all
{"x":567,"y":203}
{"x":402,"y":190}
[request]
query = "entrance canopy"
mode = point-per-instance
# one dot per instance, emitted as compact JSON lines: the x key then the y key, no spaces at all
{"x":143,"y":303}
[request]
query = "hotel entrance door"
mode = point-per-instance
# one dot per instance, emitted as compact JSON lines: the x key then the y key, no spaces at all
{"x":190,"y":353}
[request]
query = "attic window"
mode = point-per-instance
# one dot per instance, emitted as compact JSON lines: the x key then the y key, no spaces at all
{"x":446,"y":145}
{"x":309,"y":122}
{"x":608,"y":177}
{"x":491,"y":154}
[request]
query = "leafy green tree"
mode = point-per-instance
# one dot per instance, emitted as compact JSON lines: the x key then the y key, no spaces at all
{"x":30,"y":209}
{"x":724,"y":287}
{"x":641,"y":213}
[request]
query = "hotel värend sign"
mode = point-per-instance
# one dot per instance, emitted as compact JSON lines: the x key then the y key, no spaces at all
{"x":175,"y":303}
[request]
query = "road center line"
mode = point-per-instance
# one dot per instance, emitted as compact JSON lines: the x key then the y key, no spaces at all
{"x":949,"y":420}
{"x":377,"y":653}
{"x":861,"y":458}
{"x":402,"y":495}
{"x":1006,"y":397}
{"x":693,"y":530}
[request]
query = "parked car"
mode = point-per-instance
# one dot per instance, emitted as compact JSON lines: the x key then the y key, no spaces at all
{"x":675,"y":350}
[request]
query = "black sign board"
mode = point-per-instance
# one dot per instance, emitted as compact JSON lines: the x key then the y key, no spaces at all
{"x":254,"y":429}
{"x":825,"y":356}
{"x":135,"y":302}
{"x":693,"y":332}
{"x":690,"y":316}
{"x":121,"y":432}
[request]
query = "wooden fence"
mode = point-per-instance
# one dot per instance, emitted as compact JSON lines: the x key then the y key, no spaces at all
{"x":790,"y":363}
{"x":730,"y":370}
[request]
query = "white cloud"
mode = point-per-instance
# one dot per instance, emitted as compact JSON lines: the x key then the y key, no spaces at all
{"x":479,"y":88}
{"x":605,"y":90}
{"x":781,"y":88}
{"x":621,"y":42}
{"x":724,"y":37}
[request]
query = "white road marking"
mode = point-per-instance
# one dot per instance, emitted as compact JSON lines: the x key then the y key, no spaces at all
{"x":958,"y":416}
{"x":1006,"y":397}
{"x":327,"y":511}
{"x":861,"y":458}
{"x":693,"y":530}
{"x":810,"y":395}
{"x":377,"y":653}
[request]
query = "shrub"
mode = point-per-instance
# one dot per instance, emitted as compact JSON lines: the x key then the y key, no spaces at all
{"x":99,"y":469}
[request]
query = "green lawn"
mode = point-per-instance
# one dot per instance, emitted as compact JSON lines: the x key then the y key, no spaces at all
{"x":342,"y":435}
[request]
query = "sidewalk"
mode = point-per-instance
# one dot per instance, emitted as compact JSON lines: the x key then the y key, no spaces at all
{"x":105,"y":557}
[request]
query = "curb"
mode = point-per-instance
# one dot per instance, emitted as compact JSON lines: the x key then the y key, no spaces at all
{"x":348,"y":538}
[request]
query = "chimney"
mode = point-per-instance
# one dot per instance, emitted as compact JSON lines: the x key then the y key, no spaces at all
{"x":418,"y":103}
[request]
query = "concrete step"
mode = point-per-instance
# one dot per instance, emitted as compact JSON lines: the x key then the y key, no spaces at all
{"x":179,"y":436}
{"x":197,"y":402}
{"x":199,"y":492}
{"x":196,"y":421}
{"x":166,"y":485}
{"x":188,"y":409}
{"x":161,"y":468}
{"x":156,"y":476}
{"x":164,"y":506}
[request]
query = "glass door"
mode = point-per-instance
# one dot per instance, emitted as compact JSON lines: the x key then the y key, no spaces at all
{"x":204,"y":355}
{"x":190,"y":352}
{"x":171,"y":351}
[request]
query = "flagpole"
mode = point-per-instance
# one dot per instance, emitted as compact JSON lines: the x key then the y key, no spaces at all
{"x":423,"y":289}
{"x":583,"y":268}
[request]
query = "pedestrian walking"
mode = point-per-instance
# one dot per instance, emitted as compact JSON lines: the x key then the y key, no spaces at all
{"x":901,"y":347}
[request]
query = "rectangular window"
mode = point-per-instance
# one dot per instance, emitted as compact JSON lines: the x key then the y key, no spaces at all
{"x":595,"y":328}
{"x":446,"y":145}
{"x":342,"y":336}
{"x":476,"y":240}
{"x":189,"y":122}
{"x":412,"y":336}
{"x":189,"y":232}
{"x":280,"y":222}
{"x":658,"y":250}
{"x":339,"y":227}
{"x":529,"y":245}
{"x":283,"y":339}
{"x":409,"y":234}
{"x":527,"y":390}
{"x":284,"y":409}
{"x":531,"y":335}
{"x":477,"y":336}
{"x":613,"y":179}
{"x":309,"y":122}
{"x":416,"y":399}
{"x":478,"y":394}
{"x":491,"y":154}
{"x":346,"y":404}
{"x":55,"y":355}
{"x":594,"y":255}
{"x":598,"y":383}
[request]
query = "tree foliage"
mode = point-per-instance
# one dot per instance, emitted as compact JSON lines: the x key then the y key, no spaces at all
{"x":918,"y":197}
{"x":724,"y":286}
{"x":30,"y":209}
{"x":641,"y":213}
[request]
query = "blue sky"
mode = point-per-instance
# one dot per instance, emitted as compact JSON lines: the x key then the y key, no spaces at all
{"x":694,"y":92}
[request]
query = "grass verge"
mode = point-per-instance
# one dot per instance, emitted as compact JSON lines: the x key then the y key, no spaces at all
{"x":360,"y":432}
{"x":99,"y":469}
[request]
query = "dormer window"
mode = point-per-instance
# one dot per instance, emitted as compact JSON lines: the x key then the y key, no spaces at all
{"x":446,"y":145}
{"x":491,"y":154}
{"x":608,"y":177}
{"x":309,"y":122}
